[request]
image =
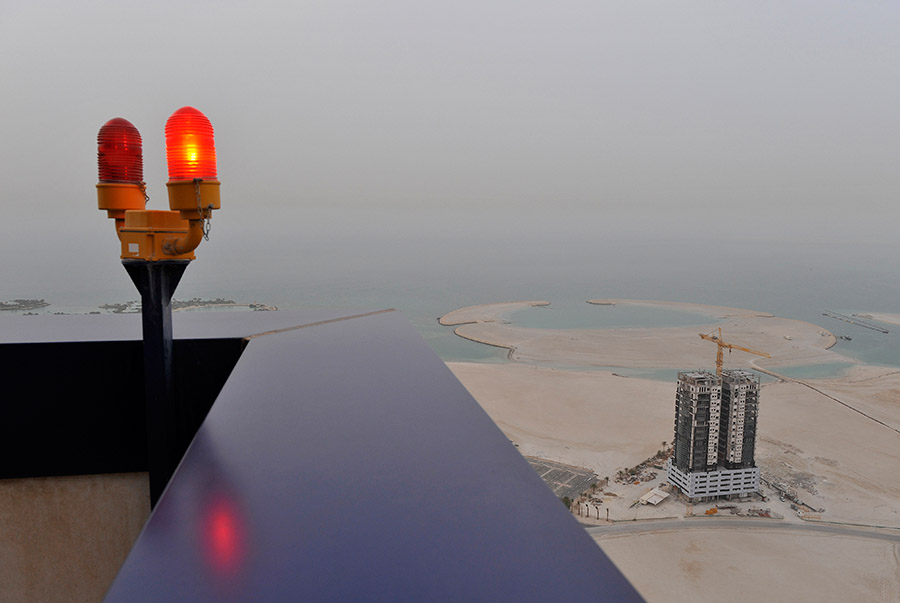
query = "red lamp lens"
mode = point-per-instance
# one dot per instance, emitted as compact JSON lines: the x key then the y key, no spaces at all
{"x":190,"y":149}
{"x":119,"y":153}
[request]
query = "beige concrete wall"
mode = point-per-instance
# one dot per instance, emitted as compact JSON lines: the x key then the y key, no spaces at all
{"x":64,"y":538}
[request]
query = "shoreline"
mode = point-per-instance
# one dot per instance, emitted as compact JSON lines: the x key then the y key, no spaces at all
{"x":485,"y":312}
{"x":705,"y":309}
{"x":789,"y":342}
{"x":253,"y":306}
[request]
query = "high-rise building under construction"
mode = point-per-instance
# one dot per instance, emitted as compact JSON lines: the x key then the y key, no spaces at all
{"x":737,"y":428}
{"x":698,"y":404}
{"x":715,"y":434}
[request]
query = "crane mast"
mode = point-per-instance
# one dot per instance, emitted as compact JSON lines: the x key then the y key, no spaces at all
{"x":720,"y":350}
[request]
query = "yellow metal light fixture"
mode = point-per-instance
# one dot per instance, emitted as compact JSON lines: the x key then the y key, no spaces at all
{"x":154,"y":235}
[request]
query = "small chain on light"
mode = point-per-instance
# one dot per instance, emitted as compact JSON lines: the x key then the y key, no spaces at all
{"x":207,"y":220}
{"x":143,"y":188}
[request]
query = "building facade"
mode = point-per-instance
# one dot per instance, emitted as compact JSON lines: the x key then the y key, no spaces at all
{"x":698,"y":404}
{"x":715,"y":434}
{"x":740,"y":408}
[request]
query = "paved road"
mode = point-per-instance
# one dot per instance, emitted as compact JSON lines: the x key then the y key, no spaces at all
{"x":667,"y":525}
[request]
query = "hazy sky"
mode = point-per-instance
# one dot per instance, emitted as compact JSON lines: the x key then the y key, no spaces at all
{"x":760,"y":119}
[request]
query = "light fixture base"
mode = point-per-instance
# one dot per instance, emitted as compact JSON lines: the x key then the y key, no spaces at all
{"x":145,"y":232}
{"x":194,"y":198}
{"x":118,"y":197}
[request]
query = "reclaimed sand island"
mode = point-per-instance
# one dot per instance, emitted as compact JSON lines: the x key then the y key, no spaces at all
{"x":789,"y":342}
{"x":834,"y":443}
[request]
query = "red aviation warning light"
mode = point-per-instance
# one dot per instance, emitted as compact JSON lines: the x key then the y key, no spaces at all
{"x":120,"y":163}
{"x":191,"y":156}
{"x":153,"y":235}
{"x":190,"y":147}
{"x":119,"y":154}
{"x":157,"y":246}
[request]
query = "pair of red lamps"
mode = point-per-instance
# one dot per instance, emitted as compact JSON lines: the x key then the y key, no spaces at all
{"x":154,"y":235}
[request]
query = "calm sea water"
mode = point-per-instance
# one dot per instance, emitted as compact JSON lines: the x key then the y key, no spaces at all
{"x":427,"y":276}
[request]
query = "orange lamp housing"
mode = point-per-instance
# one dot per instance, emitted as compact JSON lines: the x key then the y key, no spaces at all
{"x":191,"y":157}
{"x":120,"y":163}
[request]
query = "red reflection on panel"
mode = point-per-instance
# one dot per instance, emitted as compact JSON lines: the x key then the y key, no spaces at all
{"x":224,"y":536}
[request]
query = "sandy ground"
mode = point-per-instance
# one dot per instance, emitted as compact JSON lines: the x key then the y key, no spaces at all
{"x":756,"y":565}
{"x":827,"y":454}
{"x":586,"y":419}
{"x":789,"y":342}
{"x":834,"y":443}
{"x":486,"y":312}
{"x":891,"y":319}
{"x":831,"y":456}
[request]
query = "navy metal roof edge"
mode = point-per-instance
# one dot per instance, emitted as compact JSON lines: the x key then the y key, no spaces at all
{"x":444,"y":506}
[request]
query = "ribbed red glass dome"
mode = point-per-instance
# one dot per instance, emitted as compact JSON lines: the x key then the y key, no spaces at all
{"x":120,"y":157}
{"x":190,"y":148}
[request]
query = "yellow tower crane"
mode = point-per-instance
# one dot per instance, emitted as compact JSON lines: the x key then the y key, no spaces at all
{"x":731,"y":346}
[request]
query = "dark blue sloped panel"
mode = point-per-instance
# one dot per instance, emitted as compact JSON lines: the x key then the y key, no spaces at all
{"x":345,"y":462}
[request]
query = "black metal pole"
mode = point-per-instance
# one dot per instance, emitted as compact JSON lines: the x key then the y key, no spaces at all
{"x":156,"y":282}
